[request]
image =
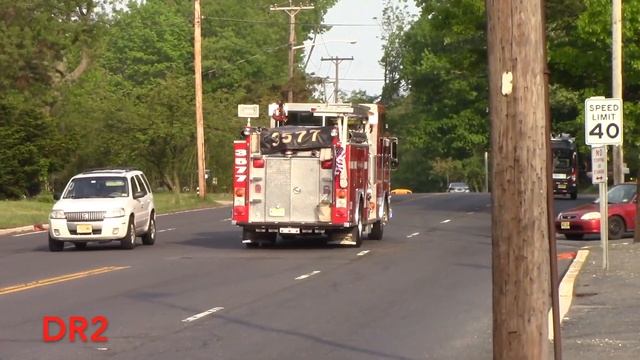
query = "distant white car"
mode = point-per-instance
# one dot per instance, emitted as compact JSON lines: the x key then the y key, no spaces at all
{"x":104,"y":205}
{"x":458,"y":187}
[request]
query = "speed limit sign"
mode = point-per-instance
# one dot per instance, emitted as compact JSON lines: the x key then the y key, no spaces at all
{"x":603,"y":121}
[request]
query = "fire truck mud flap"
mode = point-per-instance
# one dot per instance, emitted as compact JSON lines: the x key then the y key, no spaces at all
{"x":352,"y":237}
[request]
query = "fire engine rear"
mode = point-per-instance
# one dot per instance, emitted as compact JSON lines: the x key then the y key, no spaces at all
{"x":318,"y":170}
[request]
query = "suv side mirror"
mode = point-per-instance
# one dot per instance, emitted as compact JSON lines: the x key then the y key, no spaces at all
{"x":138,"y":194}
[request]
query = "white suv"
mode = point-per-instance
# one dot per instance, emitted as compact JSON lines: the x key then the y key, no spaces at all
{"x":104,"y":205}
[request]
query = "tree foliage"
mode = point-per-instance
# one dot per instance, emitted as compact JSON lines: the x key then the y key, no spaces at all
{"x":95,"y":83}
{"x":443,"y":116}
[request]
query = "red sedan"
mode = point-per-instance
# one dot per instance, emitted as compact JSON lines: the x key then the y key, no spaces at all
{"x":585,"y":219}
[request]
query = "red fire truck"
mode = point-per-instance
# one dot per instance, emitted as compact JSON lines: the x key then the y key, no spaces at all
{"x":318,"y":170}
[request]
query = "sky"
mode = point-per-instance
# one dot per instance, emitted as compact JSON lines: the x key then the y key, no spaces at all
{"x":364,"y":72}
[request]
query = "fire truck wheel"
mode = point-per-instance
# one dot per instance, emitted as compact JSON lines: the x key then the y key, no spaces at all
{"x":249,"y":235}
{"x":356,"y":232}
{"x":574,"y":195}
{"x":376,"y":230}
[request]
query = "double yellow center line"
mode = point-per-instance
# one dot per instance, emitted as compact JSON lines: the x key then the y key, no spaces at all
{"x":59,"y":279}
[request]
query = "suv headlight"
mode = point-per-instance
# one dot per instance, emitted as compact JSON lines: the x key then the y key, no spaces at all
{"x":113,"y":213}
{"x":590,"y":216}
{"x":57,"y":214}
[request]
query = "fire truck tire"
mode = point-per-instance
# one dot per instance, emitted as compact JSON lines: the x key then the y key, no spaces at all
{"x":258,"y":238}
{"x":574,"y":195}
{"x":377,"y":230}
{"x":357,"y":231}
{"x":249,"y":235}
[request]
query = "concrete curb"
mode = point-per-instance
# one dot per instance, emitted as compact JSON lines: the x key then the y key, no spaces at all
{"x":25,"y":229}
{"x":565,"y":290}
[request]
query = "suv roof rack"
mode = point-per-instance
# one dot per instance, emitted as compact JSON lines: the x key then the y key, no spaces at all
{"x":109,"y":169}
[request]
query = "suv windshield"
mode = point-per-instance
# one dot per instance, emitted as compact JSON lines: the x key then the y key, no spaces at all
{"x":97,"y":187}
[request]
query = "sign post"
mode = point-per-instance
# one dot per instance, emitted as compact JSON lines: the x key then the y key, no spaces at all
{"x":603,"y":127}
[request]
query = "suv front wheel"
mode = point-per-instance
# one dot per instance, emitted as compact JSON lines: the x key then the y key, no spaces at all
{"x":129,"y":241}
{"x":55,"y":245}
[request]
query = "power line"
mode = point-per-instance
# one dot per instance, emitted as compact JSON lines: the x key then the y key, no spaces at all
{"x":280,"y":23}
{"x":351,"y":79}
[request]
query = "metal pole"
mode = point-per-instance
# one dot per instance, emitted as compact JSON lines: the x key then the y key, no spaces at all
{"x":616,"y":68}
{"x":604,"y":217}
{"x":336,"y":86}
{"x":553,"y":250}
{"x":197,"y":44}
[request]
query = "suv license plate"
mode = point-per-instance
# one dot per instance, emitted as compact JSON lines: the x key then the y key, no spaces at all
{"x":84,"y":229}
{"x":289,"y":230}
{"x":565,"y":225}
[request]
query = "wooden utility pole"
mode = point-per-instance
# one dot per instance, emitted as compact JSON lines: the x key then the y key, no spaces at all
{"x":616,"y":76}
{"x":197,"y":45}
{"x":519,"y":147}
{"x":336,"y":61}
{"x":292,"y":11}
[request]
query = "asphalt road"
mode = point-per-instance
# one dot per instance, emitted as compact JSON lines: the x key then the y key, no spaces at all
{"x":423,"y":292}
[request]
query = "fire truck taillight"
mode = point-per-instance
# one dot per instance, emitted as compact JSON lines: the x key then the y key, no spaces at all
{"x":327,"y":164}
{"x":257,"y":188}
{"x":341,"y":199}
{"x":258,"y":163}
{"x":240,"y":192}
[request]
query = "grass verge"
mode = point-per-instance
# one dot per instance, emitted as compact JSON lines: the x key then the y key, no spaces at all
{"x":29,"y":212}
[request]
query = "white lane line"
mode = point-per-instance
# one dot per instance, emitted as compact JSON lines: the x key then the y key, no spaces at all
{"x":29,"y":233}
{"x":227,"y":219}
{"x":365,"y":252}
{"x":470,"y":213}
{"x":301,"y":277}
{"x":445,"y":221}
{"x":412,"y":235}
{"x":169,"y":229}
{"x":202,"y":314}
{"x":102,"y":349}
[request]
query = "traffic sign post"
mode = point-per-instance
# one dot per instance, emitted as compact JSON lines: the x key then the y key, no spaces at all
{"x":600,"y":159}
{"x":602,"y":127}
